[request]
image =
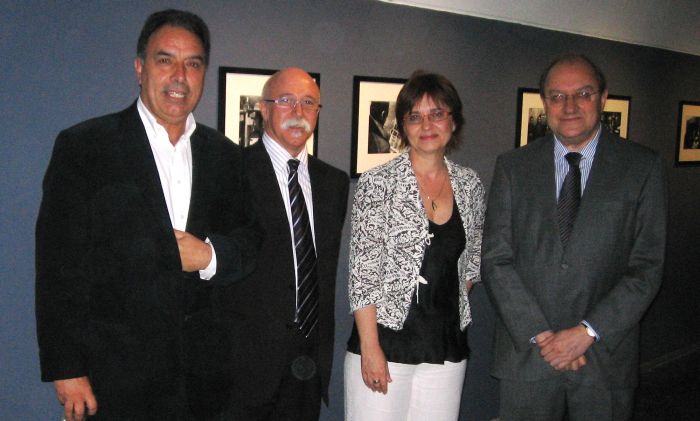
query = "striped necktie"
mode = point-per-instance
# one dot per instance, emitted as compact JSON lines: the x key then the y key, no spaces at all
{"x":569,"y":197}
{"x":306,"y":315}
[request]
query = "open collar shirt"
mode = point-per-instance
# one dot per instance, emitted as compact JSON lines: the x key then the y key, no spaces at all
{"x":174,"y":163}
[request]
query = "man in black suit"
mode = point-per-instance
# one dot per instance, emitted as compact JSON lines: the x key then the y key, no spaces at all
{"x":283,"y":314}
{"x":573,"y":255}
{"x":142,"y":217}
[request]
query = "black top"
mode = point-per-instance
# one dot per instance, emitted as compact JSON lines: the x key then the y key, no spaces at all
{"x":431,"y":331}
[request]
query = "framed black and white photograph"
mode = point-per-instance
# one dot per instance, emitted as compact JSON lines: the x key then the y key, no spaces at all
{"x":375,"y":137}
{"x":688,"y":141}
{"x":532,"y":120}
{"x":240,"y":91}
{"x":616,"y":115}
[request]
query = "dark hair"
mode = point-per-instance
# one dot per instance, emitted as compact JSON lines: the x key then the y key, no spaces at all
{"x":440,"y":90}
{"x":177,"y":18}
{"x":572,"y":58}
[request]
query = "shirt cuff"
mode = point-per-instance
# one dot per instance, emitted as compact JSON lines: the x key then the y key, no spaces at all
{"x":592,"y":329}
{"x":208,"y":272}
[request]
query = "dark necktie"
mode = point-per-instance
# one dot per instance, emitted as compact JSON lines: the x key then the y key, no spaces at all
{"x":306,"y":315}
{"x":569,"y":197}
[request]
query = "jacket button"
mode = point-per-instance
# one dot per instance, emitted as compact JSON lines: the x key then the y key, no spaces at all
{"x":564,"y":266}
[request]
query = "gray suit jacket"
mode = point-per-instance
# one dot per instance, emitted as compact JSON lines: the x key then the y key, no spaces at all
{"x":608,"y":275}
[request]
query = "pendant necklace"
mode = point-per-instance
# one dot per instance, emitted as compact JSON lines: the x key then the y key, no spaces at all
{"x":432,"y":200}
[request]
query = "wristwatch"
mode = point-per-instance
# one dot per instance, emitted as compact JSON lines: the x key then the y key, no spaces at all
{"x":589,"y":331}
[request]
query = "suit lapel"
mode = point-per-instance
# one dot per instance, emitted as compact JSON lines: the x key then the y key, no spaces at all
{"x":318,"y":192}
{"x":605,"y":168}
{"x":543,"y":178}
{"x":199,"y":182}
{"x":264,"y":183}
{"x":138,"y":154}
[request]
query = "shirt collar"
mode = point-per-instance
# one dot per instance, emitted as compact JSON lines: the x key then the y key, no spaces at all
{"x":588,"y":152}
{"x":153,"y":127}
{"x":280,"y":156}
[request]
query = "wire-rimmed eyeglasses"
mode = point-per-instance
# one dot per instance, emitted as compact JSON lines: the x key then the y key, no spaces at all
{"x":580,"y":97}
{"x":288,"y":101}
{"x":434,"y":116}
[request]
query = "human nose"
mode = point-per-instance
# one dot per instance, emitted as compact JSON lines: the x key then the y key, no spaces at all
{"x":425,"y":122}
{"x":179,"y":72}
{"x":296,"y":108}
{"x":570,"y":103}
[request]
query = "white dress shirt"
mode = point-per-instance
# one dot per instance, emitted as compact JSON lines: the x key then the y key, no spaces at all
{"x":279,"y":157}
{"x":174,"y":164}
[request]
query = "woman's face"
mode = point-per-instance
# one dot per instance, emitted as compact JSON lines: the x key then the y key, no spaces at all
{"x":428,"y":127}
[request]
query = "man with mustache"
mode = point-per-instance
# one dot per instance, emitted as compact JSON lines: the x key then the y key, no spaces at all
{"x":283,"y":314}
{"x":143,"y":218}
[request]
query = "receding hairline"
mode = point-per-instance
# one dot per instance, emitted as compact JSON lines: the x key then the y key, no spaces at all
{"x":274,"y":79}
{"x":573,"y":59}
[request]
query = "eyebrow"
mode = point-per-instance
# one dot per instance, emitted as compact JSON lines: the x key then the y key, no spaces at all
{"x":575,"y":90}
{"x":299,"y":97}
{"x":163,"y":53}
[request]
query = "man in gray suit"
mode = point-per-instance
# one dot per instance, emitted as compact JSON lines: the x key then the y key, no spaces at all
{"x":573,"y":254}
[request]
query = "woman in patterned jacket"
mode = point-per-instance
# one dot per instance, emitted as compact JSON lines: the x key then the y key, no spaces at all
{"x":414,"y":255}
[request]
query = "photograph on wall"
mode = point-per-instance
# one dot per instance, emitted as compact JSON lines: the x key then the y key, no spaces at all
{"x":375,"y":137}
{"x":531,"y":123}
{"x":239,"y":117}
{"x":688,"y":144}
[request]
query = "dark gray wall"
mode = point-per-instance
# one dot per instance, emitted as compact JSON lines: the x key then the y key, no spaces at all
{"x":63,"y":62}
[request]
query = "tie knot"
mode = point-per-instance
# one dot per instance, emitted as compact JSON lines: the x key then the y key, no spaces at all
{"x":293,"y":165}
{"x":573,"y":158}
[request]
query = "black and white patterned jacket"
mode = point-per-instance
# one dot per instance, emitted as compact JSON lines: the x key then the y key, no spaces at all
{"x":390,"y":235}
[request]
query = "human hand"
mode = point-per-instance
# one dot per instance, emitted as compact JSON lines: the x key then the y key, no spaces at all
{"x":576,"y":364}
{"x":543,"y":338}
{"x":75,"y":395}
{"x":375,"y":369}
{"x":563,"y":349}
{"x":195,"y":254}
{"x":469,"y":285}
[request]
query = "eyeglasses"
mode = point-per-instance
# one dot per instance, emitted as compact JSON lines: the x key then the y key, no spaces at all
{"x":306,"y":104}
{"x":580,"y":97}
{"x":434,"y":116}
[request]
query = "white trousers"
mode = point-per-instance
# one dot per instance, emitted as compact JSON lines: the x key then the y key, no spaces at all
{"x":423,"y":392}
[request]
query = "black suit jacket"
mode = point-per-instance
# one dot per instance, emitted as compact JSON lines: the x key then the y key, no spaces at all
{"x":261,"y":308}
{"x":608,"y":274}
{"x":112,"y":302}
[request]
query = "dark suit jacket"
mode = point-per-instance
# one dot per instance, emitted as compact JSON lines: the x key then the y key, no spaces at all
{"x":261,"y":308}
{"x":608,"y":275}
{"x":112,"y":301}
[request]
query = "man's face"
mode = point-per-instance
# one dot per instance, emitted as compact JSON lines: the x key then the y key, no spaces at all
{"x":172,"y":77}
{"x":291,"y":127}
{"x":575,"y":118}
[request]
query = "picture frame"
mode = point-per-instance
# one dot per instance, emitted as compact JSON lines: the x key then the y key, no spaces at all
{"x":239,"y":117}
{"x":688,"y":140}
{"x":375,"y":137}
{"x":531,"y":122}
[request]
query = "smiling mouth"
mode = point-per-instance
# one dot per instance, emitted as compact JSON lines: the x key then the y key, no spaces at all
{"x":175,"y":94}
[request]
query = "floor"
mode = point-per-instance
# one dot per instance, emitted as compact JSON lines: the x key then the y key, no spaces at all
{"x":670,"y":393}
